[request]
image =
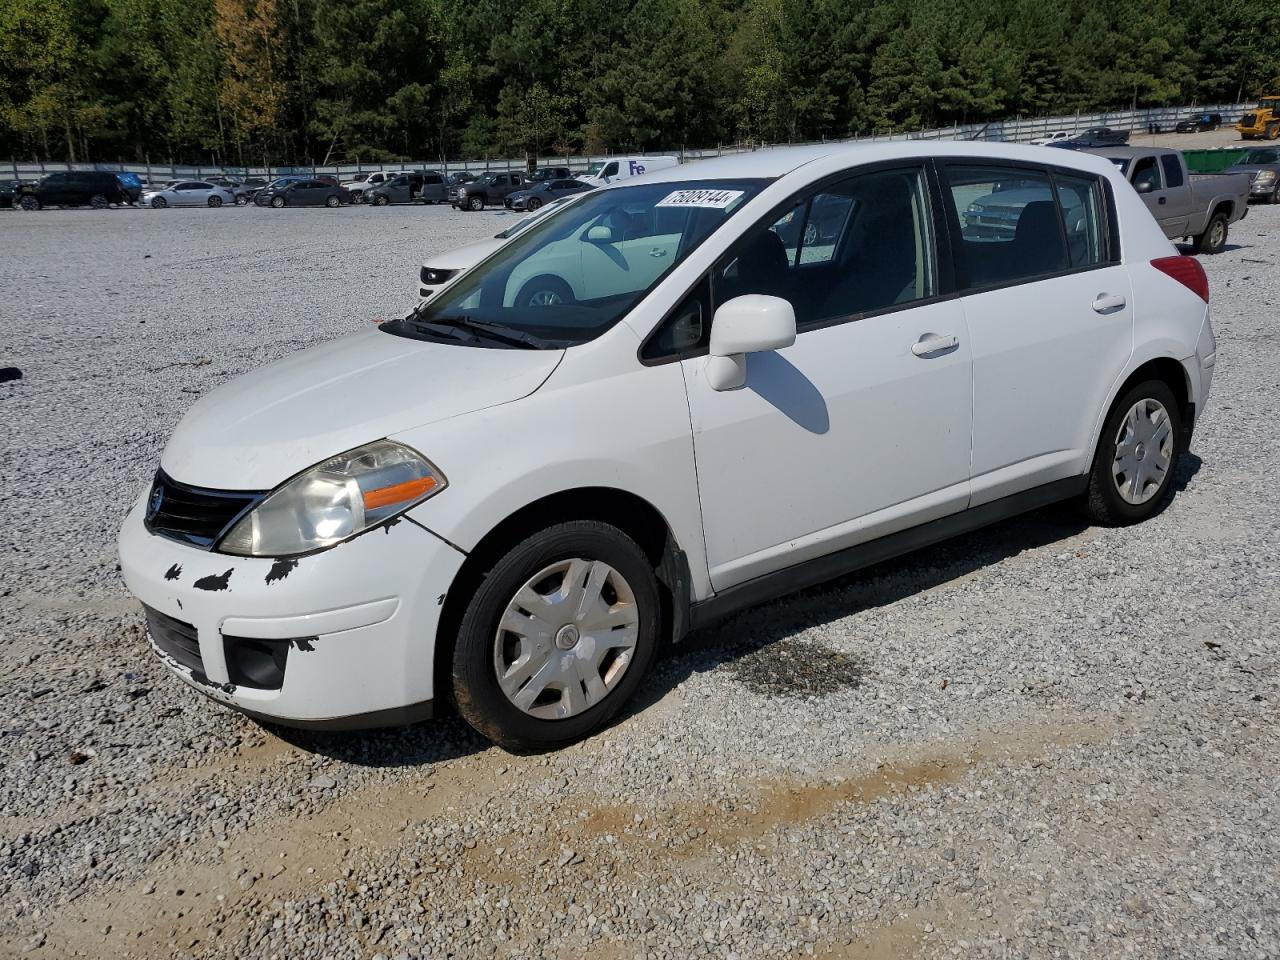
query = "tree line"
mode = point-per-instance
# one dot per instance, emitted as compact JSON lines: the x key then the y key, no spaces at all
{"x":305,"y":81}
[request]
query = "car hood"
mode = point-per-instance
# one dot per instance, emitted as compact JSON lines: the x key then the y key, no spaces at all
{"x":464,"y":257}
{"x":262,"y":428}
{"x":1251,"y":167}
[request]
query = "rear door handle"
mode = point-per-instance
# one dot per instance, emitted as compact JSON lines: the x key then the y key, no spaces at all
{"x":1108,"y":303}
{"x":1163,"y":200}
{"x":931,"y":344}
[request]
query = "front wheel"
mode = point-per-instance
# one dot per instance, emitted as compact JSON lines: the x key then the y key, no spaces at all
{"x":99,"y":202}
{"x":381,"y":201}
{"x":1214,"y":237}
{"x":475,"y":203}
{"x":241,"y":200}
{"x":544,"y":291}
{"x":1132,"y":473}
{"x":533,"y":203}
{"x":215,"y":202}
{"x":277,"y":202}
{"x":159,"y":203}
{"x":557,"y":636}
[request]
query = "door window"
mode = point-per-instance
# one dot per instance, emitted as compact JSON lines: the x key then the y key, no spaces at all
{"x":1146,"y":175}
{"x":611,"y":170}
{"x":1009,"y":225}
{"x":1172,"y":170}
{"x":860,"y":246}
{"x":1080,"y":198}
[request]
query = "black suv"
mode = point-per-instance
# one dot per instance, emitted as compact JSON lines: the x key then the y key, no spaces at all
{"x":84,"y":188}
{"x":492,"y":188}
{"x":1199,"y":123}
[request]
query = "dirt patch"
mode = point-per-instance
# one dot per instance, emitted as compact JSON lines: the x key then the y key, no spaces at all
{"x":798,"y":668}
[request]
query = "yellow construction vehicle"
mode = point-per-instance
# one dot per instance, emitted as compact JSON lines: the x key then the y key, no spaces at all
{"x":1262,"y":123}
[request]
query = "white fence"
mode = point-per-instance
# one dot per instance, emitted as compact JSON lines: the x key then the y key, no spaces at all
{"x":1016,"y":130}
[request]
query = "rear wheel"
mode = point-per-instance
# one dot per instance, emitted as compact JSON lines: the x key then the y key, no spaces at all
{"x":1132,"y":473}
{"x":544,"y":291}
{"x":557,"y":636}
{"x":1273,"y":131}
{"x":99,"y":202}
{"x":29,"y":203}
{"x":241,"y":200}
{"x":215,"y":201}
{"x":1214,"y":237}
{"x":1275,"y":194}
{"x":475,"y":203}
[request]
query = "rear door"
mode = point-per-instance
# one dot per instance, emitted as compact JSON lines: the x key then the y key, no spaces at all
{"x":1048,"y":309}
{"x":1148,"y":180}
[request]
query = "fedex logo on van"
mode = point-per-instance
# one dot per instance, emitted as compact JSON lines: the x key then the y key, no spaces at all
{"x":636,"y":166}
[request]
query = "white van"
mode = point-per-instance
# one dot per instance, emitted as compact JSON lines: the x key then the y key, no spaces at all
{"x":612,"y":170}
{"x":673,"y":399}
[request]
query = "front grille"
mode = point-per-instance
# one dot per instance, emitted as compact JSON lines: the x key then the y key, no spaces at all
{"x":175,"y":638}
{"x":195,"y":515}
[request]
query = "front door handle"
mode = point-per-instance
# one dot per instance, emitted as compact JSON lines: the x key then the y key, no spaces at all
{"x":932,"y":344}
{"x":1108,"y":303}
{"x":657,"y":252}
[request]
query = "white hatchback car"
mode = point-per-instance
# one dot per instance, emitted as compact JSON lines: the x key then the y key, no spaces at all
{"x":758,"y":372}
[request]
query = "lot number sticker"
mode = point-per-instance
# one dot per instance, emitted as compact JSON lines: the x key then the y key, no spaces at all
{"x":708,"y":199}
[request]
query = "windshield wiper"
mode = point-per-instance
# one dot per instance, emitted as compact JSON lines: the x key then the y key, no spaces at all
{"x":495,"y":331}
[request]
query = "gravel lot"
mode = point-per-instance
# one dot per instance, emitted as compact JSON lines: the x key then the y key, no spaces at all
{"x":1044,"y":740}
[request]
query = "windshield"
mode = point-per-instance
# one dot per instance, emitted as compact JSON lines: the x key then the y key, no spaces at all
{"x":572,"y":276}
{"x":1261,"y":156}
{"x":595,"y":168}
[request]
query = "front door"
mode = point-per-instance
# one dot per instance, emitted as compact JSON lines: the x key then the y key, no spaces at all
{"x":859,"y":429}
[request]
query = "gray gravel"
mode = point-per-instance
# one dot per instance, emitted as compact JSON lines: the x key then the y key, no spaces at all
{"x":1044,"y":740}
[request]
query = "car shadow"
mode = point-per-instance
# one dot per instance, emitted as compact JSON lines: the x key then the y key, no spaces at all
{"x":743,"y":638}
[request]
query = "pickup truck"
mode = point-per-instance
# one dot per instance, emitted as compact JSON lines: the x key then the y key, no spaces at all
{"x":1187,"y":206}
{"x":1093,"y":138}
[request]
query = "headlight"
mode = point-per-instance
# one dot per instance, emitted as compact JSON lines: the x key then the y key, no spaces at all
{"x":334,"y":501}
{"x":462,"y":191}
{"x":1265,"y":176}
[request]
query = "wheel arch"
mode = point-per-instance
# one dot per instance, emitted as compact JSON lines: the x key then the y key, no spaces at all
{"x":1171,"y":372}
{"x":629,"y":512}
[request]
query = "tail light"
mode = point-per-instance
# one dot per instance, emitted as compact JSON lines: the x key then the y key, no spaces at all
{"x":1187,"y":271}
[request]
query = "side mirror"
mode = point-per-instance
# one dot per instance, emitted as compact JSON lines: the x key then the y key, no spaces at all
{"x":753,"y":323}
{"x":1144,"y":186}
{"x":600,"y":234}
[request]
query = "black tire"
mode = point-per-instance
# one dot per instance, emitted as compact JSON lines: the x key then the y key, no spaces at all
{"x":380,"y":201}
{"x":475,"y":203}
{"x":533,"y":203}
{"x":1275,"y":194}
{"x":477,"y":694}
{"x":332,"y":202}
{"x":29,"y":204}
{"x":1272,"y":132}
{"x":215,"y":202}
{"x":544,"y":291}
{"x":159,"y":203}
{"x":242,"y":200}
{"x":1103,"y":503}
{"x":277,"y":202}
{"x":1214,"y":237}
{"x":99,"y":202}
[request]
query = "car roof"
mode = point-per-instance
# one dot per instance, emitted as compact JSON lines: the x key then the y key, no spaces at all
{"x":1128,"y":153}
{"x":780,"y":161}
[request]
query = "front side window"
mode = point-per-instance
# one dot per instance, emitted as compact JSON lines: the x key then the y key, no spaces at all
{"x":569,"y":277}
{"x":859,"y":246}
{"x":1009,"y":225}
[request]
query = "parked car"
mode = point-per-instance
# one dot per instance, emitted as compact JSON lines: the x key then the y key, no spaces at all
{"x":1263,"y":122}
{"x":555,"y":542}
{"x":549,"y":173}
{"x":1093,"y":138}
{"x":357,"y":186}
{"x":443,"y":268}
{"x":427,"y":186}
{"x":189,"y":193}
{"x":620,"y":168}
{"x":1198,"y":123}
{"x":254,"y":184}
{"x":1199,"y":208}
{"x":81,"y":188}
{"x":1049,"y":138}
{"x":240,"y":190}
{"x":7,"y":190}
{"x":1262,"y":167}
{"x":543,"y":193}
{"x":301,"y":193}
{"x":486,"y":190}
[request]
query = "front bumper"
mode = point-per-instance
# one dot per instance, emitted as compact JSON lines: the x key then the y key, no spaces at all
{"x":355,"y":624}
{"x":1257,"y":189}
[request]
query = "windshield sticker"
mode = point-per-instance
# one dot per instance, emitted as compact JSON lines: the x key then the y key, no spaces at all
{"x":708,"y":199}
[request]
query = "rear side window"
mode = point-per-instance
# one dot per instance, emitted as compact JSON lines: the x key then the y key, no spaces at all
{"x":1010,"y":228}
{"x":1080,"y":199}
{"x":1172,"y":170}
